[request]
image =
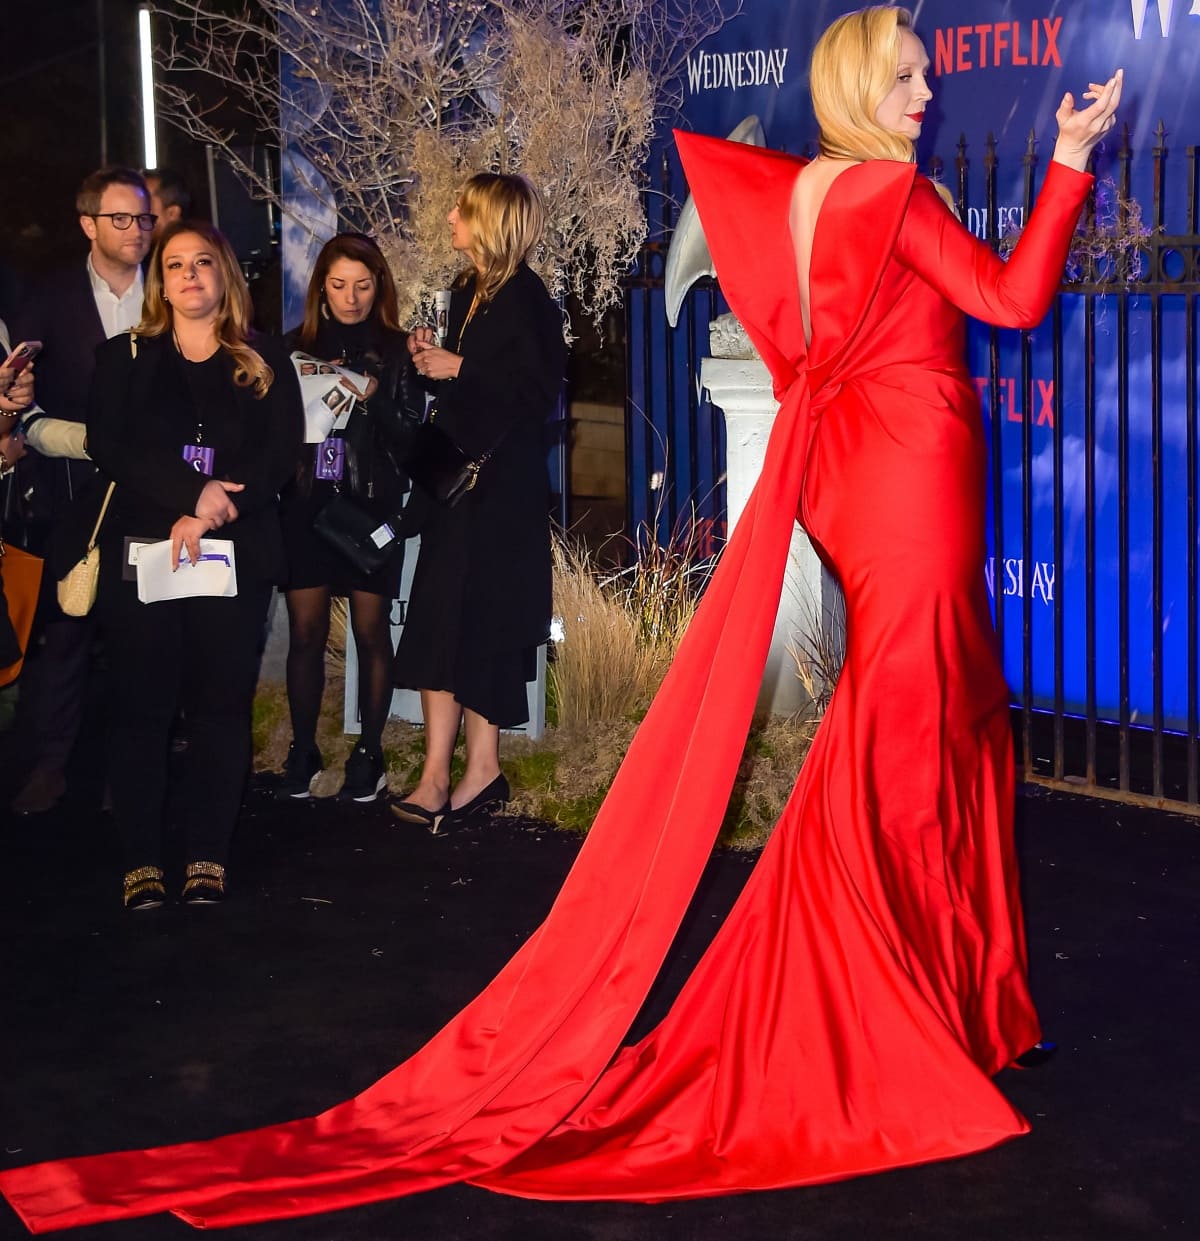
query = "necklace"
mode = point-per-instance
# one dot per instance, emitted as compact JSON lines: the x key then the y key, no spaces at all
{"x":179,"y":349}
{"x":196,"y":390}
{"x":470,"y":316}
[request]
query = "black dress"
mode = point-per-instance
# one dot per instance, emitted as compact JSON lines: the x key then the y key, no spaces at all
{"x":480,"y":601}
{"x":372,"y":473}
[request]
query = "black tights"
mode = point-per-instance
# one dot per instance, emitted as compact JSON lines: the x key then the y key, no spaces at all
{"x":308,"y":634}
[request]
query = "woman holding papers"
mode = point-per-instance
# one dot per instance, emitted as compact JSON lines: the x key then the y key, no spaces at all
{"x":350,"y":320}
{"x":197,"y":424}
{"x":480,"y":600}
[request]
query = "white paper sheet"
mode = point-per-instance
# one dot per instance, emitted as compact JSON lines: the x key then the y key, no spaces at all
{"x":213,"y":575}
{"x":330,"y":394}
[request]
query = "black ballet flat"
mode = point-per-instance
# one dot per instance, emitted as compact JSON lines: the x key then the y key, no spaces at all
{"x":1038,"y":1055}
{"x":488,"y":801}
{"x":411,"y":812}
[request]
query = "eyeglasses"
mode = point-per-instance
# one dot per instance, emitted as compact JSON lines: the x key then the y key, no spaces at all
{"x":121,"y":220}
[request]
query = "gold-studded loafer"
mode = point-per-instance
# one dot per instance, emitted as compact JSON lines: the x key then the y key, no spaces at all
{"x":144,"y":888}
{"x":204,"y":883}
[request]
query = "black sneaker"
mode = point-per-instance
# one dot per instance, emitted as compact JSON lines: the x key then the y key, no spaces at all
{"x":300,"y":770}
{"x":365,"y":775}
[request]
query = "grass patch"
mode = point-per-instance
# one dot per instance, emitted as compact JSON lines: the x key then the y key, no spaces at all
{"x":564,"y":777}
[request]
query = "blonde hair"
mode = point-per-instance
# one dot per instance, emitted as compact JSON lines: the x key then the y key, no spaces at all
{"x":853,"y":69}
{"x":506,"y":216}
{"x":232,"y":325}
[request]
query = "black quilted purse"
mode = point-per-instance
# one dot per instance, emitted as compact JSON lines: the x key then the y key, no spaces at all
{"x":439,"y":467}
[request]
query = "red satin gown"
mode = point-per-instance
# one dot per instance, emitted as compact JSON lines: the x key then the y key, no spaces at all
{"x":872,"y":976}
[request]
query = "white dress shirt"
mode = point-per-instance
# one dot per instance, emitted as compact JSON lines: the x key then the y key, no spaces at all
{"x":118,"y":314}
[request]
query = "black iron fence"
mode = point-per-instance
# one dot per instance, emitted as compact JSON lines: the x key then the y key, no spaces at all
{"x":674,"y":436}
{"x":1093,"y":508}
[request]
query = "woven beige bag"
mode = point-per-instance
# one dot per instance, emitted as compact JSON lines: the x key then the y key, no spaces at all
{"x":77,"y":591}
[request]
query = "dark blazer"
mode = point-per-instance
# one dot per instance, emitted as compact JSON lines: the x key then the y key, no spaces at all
{"x":507,"y":387}
{"x":140,"y":415}
{"x":60,"y":311}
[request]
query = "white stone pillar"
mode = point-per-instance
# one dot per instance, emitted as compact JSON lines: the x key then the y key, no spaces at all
{"x":741,"y":388}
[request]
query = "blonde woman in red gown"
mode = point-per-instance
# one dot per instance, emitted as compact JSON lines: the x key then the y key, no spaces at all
{"x":871,"y":979}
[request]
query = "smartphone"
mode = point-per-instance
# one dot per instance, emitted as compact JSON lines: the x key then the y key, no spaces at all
{"x":22,"y":355}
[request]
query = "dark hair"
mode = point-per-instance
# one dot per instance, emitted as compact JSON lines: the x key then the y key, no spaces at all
{"x":92,"y":187}
{"x":172,"y":189}
{"x":358,"y":249}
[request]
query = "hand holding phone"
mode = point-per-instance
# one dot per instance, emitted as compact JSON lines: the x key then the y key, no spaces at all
{"x":22,"y":355}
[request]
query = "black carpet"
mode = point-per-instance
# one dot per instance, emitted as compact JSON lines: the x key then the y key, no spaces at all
{"x":349,"y":938}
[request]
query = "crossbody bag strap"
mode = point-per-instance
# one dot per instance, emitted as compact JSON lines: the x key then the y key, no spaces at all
{"x":100,"y":519}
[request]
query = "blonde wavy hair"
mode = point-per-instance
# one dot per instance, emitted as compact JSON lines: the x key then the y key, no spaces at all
{"x":853,"y":69}
{"x":232,"y":325}
{"x":506,"y":216}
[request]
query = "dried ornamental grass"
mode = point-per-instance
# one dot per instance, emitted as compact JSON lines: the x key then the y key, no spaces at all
{"x":602,"y":671}
{"x":818,"y":649}
{"x":619,"y":634}
{"x":663,"y":585}
{"x":620,"y":631}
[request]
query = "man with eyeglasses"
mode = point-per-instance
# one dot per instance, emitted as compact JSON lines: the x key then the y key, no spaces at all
{"x":71,"y":311}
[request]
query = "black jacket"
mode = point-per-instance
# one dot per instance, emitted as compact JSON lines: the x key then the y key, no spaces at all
{"x":379,"y":430}
{"x":141,"y":412}
{"x":60,"y":311}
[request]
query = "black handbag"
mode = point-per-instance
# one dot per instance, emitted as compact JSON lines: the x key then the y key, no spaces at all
{"x":365,"y":541}
{"x":439,"y":467}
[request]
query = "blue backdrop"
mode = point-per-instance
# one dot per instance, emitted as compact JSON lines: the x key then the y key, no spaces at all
{"x":1001,"y":68}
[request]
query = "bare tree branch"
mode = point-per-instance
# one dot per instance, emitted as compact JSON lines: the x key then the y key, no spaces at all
{"x":392,"y":103}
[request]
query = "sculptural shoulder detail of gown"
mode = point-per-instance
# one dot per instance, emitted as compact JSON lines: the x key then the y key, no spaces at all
{"x":871,"y":978}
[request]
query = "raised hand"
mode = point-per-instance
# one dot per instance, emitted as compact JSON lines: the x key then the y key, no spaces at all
{"x":1079,"y":131}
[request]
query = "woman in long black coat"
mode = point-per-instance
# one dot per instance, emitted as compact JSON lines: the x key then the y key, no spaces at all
{"x":480,"y":600}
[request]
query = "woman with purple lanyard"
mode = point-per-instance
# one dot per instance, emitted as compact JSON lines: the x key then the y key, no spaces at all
{"x":197,"y":424}
{"x":350,"y":319}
